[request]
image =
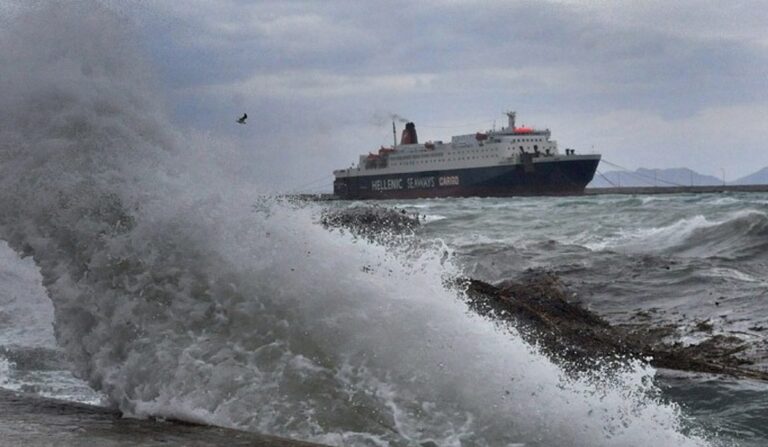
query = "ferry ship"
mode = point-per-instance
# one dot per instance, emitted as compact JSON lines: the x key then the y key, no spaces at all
{"x":513,"y":161}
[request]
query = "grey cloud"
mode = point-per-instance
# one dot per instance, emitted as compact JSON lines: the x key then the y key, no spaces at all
{"x":346,"y":40}
{"x":323,"y":69}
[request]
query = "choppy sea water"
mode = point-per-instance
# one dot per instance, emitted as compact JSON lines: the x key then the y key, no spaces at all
{"x":703,"y":256}
{"x":676,"y":259}
{"x":140,"y":272}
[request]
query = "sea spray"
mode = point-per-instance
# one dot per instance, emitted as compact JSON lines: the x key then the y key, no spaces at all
{"x":177,"y":295}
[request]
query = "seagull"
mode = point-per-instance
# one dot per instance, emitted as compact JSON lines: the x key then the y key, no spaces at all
{"x":242,"y":119}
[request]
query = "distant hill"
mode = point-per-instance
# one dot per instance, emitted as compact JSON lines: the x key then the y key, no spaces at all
{"x":654,"y":177}
{"x":758,"y":178}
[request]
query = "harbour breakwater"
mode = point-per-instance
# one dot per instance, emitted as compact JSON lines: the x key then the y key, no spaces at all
{"x":619,"y":190}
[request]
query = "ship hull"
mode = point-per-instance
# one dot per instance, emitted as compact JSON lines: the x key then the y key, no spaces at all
{"x":563,"y":176}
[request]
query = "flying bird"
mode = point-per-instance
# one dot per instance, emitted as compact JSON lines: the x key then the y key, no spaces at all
{"x":243,"y":118}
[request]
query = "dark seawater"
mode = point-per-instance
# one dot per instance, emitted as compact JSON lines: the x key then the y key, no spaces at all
{"x":140,"y":271}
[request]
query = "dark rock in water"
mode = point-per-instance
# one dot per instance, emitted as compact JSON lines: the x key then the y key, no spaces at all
{"x":719,"y":348}
{"x":539,"y":310}
{"x":574,"y":336}
{"x":704,"y":326}
{"x":28,"y":420}
{"x":371,"y":221}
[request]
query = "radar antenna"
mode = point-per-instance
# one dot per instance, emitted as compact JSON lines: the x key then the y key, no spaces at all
{"x":511,"y":116}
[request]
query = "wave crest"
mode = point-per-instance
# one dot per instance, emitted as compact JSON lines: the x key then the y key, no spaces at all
{"x":741,"y":235}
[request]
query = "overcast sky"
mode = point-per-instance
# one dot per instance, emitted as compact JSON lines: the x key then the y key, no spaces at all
{"x":646,"y":83}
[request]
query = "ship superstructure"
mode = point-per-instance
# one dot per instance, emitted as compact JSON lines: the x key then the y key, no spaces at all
{"x":507,"y":162}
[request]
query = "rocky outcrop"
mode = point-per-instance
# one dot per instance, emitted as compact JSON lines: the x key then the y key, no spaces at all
{"x":371,"y":222}
{"x":576,"y":337}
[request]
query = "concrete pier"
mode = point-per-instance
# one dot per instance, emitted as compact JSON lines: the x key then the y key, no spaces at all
{"x":30,"y":420}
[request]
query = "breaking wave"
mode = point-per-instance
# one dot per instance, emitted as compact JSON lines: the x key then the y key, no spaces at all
{"x":181,"y":292}
{"x":740,"y":235}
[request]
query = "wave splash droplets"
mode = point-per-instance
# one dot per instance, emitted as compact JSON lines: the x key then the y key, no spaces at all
{"x":178,"y":297}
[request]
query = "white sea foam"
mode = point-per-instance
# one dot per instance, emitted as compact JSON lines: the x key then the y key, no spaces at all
{"x":26,"y":314}
{"x":179,"y":291}
{"x":738,"y":233}
{"x":26,"y":333}
{"x":5,"y":373}
{"x":732,"y":274}
{"x":653,"y":238}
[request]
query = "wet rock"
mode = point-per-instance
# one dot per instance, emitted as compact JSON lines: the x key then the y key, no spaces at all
{"x":704,"y":326}
{"x":538,"y":307}
{"x":371,"y":221}
{"x":719,"y":348}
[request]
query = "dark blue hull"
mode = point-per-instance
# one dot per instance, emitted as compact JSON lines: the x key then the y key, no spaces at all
{"x":560,"y":176}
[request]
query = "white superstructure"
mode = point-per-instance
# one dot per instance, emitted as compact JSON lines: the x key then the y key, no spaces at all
{"x":510,"y":145}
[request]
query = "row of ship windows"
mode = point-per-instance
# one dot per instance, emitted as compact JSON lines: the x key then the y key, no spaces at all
{"x":447,"y":153}
{"x":494,"y":151}
{"x":447,"y":159}
{"x":473,"y":151}
{"x":405,"y":157}
{"x":520,"y":140}
{"x":535,"y":148}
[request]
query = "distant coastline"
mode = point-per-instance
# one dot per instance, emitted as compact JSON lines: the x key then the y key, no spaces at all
{"x":675,"y":189}
{"x":644,"y":177}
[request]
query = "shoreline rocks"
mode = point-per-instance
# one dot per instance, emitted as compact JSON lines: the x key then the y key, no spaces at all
{"x":574,"y":336}
{"x":370,"y":221}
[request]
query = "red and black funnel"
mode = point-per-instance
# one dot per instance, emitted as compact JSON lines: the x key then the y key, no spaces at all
{"x":409,"y":135}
